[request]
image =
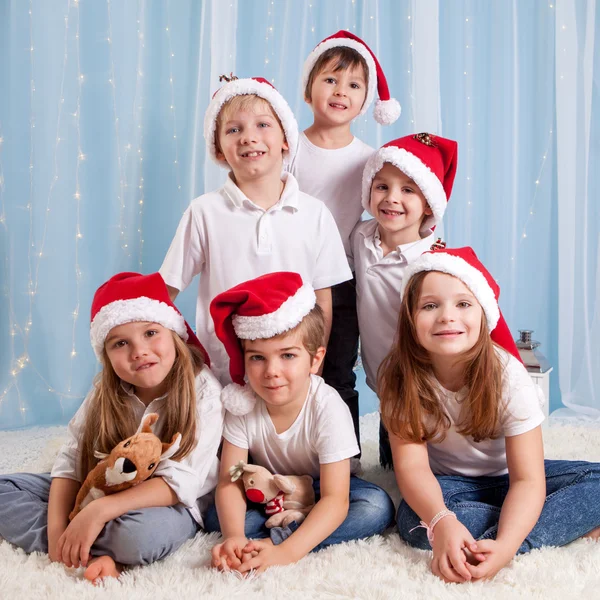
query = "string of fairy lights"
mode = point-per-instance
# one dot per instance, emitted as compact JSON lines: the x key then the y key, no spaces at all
{"x":138,"y":131}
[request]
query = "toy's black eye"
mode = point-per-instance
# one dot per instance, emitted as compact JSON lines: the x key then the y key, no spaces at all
{"x":127,"y":444}
{"x":251,"y":481}
{"x":151,"y":466}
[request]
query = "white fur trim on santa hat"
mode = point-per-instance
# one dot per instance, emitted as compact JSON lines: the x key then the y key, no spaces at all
{"x":286,"y":317}
{"x":239,"y":400}
{"x":387,"y":112}
{"x":309,"y":63}
{"x":245,"y":87}
{"x":472,"y":277}
{"x":419,"y":172}
{"x":143,"y":308}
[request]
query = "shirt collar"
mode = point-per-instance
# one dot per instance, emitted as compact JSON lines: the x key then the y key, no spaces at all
{"x":410,"y":251}
{"x":129,"y":390}
{"x":289,"y":196}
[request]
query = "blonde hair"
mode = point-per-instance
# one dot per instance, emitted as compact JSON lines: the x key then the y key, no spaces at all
{"x":410,"y":405}
{"x":341,"y":58}
{"x":242,"y":103}
{"x":110,"y":417}
{"x":311,"y":330}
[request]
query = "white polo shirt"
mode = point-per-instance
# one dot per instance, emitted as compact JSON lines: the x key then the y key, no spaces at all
{"x":378,"y":280}
{"x":228,"y":239}
{"x":322,"y":433}
{"x":334,"y":177}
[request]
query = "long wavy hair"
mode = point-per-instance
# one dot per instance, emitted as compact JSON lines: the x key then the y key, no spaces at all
{"x":110,"y":417}
{"x":408,"y":389}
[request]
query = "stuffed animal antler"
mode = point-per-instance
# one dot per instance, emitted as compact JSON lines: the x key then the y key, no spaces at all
{"x":287,"y":497}
{"x":129,"y":463}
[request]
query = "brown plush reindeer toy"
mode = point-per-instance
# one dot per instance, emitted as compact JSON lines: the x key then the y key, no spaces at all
{"x":129,"y":463}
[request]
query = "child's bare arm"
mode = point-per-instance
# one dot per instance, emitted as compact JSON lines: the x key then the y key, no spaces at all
{"x":522,"y":505}
{"x":421,"y":491}
{"x":63,"y":492}
{"x":324,"y":301}
{"x":326,"y":516}
{"x":231,"y":508}
{"x":173,"y":292}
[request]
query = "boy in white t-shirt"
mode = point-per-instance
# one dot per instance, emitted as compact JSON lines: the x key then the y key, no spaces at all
{"x":291,"y":422}
{"x":340,"y":79}
{"x":406,"y":186}
{"x":259,"y":221}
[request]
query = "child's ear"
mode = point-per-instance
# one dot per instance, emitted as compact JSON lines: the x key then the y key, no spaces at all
{"x":317,"y":360}
{"x":428,"y":210}
{"x":285,"y":145}
{"x":220,"y":156}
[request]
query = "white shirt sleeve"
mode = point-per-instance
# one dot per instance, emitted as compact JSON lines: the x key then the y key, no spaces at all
{"x":331,"y":265}
{"x":235,"y":430}
{"x":523,"y":409}
{"x":188,"y":477}
{"x":334,"y":435}
{"x":185,"y":257}
{"x":67,"y":464}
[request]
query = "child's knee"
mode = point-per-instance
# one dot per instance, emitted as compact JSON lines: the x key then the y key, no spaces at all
{"x":376,"y":508}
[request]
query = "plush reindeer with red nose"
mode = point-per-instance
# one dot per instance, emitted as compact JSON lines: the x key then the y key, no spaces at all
{"x":287,"y":497}
{"x":129,"y":463}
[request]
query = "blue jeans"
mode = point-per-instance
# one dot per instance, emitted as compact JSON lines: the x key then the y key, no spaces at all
{"x":571,"y":510}
{"x":138,"y":537}
{"x":342,"y":348}
{"x":371,"y":512}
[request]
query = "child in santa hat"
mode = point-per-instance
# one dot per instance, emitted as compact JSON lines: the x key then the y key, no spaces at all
{"x":464,"y":419}
{"x":151,"y":363}
{"x":341,"y":78}
{"x":259,"y":221}
{"x":291,"y":422}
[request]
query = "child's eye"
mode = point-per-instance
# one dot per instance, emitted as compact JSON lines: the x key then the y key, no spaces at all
{"x":232,"y":130}
{"x":329,"y":80}
{"x":355,"y":86}
{"x":429,"y":306}
{"x":264,"y":125}
{"x":382,"y":187}
{"x":408,"y":190}
{"x":464,"y":304}
{"x":119,"y":344}
{"x":288,"y":356}
{"x":256,"y":357}
{"x":151,"y":332}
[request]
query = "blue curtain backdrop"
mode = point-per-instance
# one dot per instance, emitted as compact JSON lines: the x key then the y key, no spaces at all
{"x":101,"y":151}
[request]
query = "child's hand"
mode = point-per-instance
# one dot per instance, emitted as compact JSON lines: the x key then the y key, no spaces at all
{"x":228,"y":554}
{"x":449,"y":560}
{"x":73,"y":548}
{"x":496,"y":556}
{"x":265,"y":555}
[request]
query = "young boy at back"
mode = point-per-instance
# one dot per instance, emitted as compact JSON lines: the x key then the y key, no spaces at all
{"x":340,"y":79}
{"x":259,"y":221}
{"x":406,"y":186}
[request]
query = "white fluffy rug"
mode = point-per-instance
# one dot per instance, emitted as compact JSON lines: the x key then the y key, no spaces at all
{"x":382,"y":567}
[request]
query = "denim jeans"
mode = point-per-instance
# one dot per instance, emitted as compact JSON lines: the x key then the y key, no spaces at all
{"x":571,"y":510}
{"x":342,"y":348}
{"x":138,"y":537}
{"x":371,"y":512}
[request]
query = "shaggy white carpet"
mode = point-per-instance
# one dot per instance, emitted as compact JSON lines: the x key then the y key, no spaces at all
{"x":379,"y":568}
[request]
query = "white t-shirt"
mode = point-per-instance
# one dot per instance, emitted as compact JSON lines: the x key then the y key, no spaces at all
{"x":228,"y":239}
{"x":322,"y":433}
{"x":192,"y":478}
{"x":378,"y":282}
{"x":335,"y":177}
{"x":461,"y":455}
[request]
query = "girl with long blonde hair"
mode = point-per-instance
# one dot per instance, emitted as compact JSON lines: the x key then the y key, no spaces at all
{"x":151,"y":363}
{"x":464,"y":420}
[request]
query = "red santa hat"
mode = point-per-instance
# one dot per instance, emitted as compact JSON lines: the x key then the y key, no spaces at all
{"x":463,"y":264}
{"x":257,"y":309}
{"x":256,"y":86}
{"x":429,"y":160}
{"x":128,"y":297}
{"x":387,"y":109}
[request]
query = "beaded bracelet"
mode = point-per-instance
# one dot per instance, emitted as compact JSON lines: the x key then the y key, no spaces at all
{"x":436,"y":519}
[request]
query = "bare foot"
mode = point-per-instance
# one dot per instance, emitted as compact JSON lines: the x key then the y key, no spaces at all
{"x":101,"y":567}
{"x":594,"y":534}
